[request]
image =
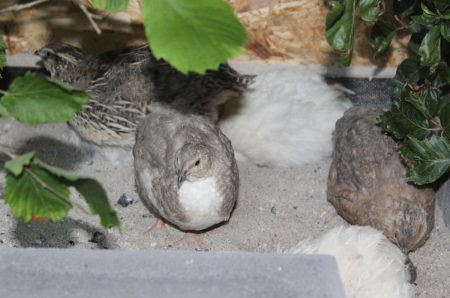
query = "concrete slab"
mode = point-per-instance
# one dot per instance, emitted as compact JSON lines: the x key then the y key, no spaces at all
{"x":104,"y":273}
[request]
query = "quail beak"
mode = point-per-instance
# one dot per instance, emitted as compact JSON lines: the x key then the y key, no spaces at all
{"x":181,"y":176}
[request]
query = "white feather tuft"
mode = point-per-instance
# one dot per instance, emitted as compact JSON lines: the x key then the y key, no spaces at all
{"x":370,"y":266}
{"x":201,"y":202}
{"x":286,"y":119}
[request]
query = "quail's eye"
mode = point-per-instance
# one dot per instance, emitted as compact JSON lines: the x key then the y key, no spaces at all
{"x":197,"y":162}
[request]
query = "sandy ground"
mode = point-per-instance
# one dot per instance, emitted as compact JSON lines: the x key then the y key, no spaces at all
{"x":277,"y":208}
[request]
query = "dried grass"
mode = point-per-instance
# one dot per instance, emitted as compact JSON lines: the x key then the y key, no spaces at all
{"x":281,"y":31}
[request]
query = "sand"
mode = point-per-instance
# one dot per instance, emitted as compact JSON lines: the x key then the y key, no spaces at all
{"x":277,"y":207}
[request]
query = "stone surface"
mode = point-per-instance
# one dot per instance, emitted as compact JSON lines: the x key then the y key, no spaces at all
{"x":78,"y":273}
{"x":367,"y":182}
{"x":443,"y":200}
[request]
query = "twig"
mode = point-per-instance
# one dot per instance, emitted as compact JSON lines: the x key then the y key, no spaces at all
{"x":90,"y":18}
{"x":18,"y":7}
{"x":6,"y":150}
{"x":272,"y":7}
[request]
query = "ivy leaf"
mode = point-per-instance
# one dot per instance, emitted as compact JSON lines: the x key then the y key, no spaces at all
{"x":340,"y":29}
{"x":35,"y":189}
{"x":193,"y":35}
{"x":36,"y":193}
{"x":445,"y":31}
{"x":418,"y":32}
{"x":370,"y":10}
{"x":16,"y":166}
{"x":442,"y":5}
{"x":404,"y":120}
{"x":430,"y":48}
{"x":426,"y":19}
{"x":404,"y":8}
{"x":409,"y":71}
{"x":430,"y":159}
{"x":111,"y":5}
{"x":33,"y":99}
{"x":425,"y":101}
{"x":93,"y":193}
{"x":441,"y":76}
{"x":381,"y":37}
{"x":444,"y":117}
{"x":426,"y":10}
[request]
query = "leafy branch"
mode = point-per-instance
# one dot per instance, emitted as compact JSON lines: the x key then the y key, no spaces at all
{"x":420,"y":114}
{"x":36,"y":190}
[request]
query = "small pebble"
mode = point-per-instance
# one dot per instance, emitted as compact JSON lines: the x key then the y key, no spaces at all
{"x":148,"y":215}
{"x":97,"y":237}
{"x":295,"y":207}
{"x":42,"y":240}
{"x":273,"y":210}
{"x":125,"y":200}
{"x":1,"y":241}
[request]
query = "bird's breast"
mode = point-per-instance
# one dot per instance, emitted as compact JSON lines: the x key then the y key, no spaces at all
{"x":201,"y":201}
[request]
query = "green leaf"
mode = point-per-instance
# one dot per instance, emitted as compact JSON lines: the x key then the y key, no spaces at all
{"x":35,"y":189}
{"x":409,"y":71}
{"x":33,"y":99}
{"x":442,"y":5}
{"x":426,"y":101}
{"x":444,"y":117}
{"x":3,"y":111}
{"x":425,"y":19}
{"x":193,"y":35}
{"x":336,"y":11}
{"x":111,"y":5}
{"x":418,"y":32}
{"x":96,"y":197}
{"x":340,"y":33}
{"x":381,"y":37}
{"x":404,"y":8}
{"x":441,"y":77}
{"x":430,"y":48}
{"x":37,"y":193}
{"x":426,"y":10}
{"x":16,"y":166}
{"x":430,"y":159}
{"x":445,"y":31}
{"x":370,"y":10}
{"x":92,"y":192}
{"x":404,"y":120}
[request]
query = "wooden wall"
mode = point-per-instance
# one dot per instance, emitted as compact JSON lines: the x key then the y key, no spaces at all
{"x":281,"y":31}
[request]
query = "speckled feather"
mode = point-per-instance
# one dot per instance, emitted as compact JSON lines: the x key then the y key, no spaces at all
{"x":123,"y":83}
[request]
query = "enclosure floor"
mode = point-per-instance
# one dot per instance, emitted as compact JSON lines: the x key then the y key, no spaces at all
{"x":277,"y":208}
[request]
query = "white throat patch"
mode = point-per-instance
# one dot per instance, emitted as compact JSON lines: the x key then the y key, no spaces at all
{"x":201,"y":201}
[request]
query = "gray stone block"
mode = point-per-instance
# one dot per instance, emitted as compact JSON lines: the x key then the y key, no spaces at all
{"x":443,"y":201}
{"x":81,"y":273}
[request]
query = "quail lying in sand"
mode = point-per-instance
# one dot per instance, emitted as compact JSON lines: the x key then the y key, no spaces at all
{"x":185,"y":169}
{"x":123,"y":83}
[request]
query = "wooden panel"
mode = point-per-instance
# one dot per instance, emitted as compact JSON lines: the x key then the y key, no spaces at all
{"x":281,"y":31}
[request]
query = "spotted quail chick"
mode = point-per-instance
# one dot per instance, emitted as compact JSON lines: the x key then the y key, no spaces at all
{"x":123,"y":83}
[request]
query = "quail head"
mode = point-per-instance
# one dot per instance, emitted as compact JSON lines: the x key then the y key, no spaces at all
{"x":185,"y":169}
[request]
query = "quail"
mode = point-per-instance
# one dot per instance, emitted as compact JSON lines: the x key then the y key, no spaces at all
{"x":185,"y":169}
{"x":123,"y":83}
